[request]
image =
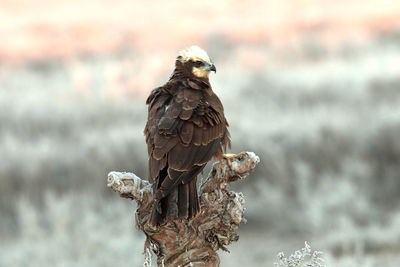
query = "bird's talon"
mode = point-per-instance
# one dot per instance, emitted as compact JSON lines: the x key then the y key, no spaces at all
{"x":230,"y":157}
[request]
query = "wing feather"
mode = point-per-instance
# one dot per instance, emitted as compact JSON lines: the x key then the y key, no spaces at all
{"x":163,"y":144}
{"x":172,"y":110}
{"x":184,"y":131}
{"x":155,"y":166}
{"x":197,"y":136}
{"x":185,"y":114}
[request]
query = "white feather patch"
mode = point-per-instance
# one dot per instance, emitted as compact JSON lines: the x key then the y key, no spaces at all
{"x":193,"y":53}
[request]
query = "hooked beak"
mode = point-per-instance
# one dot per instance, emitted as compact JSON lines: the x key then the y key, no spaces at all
{"x":212,"y":68}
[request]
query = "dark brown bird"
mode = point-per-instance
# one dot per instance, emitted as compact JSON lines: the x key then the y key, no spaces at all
{"x":186,"y":128}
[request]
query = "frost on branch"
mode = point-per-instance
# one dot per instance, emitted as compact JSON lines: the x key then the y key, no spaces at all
{"x":128,"y":185}
{"x":301,"y":258}
{"x":192,"y":242}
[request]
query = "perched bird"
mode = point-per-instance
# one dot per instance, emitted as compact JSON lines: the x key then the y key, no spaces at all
{"x":186,"y":128}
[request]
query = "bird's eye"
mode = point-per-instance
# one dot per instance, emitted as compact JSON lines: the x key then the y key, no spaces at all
{"x":198,"y":63}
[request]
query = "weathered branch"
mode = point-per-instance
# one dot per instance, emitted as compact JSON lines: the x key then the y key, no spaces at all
{"x":192,"y":242}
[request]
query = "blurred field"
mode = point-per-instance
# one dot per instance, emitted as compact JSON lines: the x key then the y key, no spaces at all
{"x":312,"y":87}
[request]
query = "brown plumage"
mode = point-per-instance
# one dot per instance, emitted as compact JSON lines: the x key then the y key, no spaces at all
{"x":186,"y":128}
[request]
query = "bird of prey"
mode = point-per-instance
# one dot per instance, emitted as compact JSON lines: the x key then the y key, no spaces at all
{"x":186,"y":128}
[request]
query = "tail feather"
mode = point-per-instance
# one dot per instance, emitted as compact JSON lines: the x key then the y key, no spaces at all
{"x":156,"y":213}
{"x":188,"y":201}
{"x":166,"y":208}
{"x":194,"y":205}
{"x":183,"y":202}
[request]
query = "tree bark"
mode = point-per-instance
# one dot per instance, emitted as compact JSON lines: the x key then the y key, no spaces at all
{"x":191,"y":242}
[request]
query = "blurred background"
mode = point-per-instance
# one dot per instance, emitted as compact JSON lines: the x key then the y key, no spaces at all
{"x":312,"y":87}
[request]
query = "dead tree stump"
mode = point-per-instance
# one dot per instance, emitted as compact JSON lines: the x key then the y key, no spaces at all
{"x":191,"y":242}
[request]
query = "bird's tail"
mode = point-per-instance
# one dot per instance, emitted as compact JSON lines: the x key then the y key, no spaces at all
{"x":182,"y":203}
{"x":188,"y":201}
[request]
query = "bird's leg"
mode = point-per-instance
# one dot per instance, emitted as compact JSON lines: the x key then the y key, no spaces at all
{"x":230,"y":157}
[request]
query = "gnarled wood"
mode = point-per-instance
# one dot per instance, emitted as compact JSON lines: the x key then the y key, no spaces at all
{"x":192,"y":242}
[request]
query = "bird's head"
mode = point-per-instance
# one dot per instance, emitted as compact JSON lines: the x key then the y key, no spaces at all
{"x":196,"y":61}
